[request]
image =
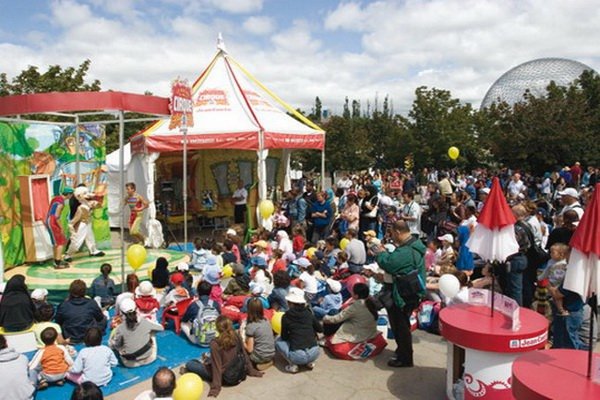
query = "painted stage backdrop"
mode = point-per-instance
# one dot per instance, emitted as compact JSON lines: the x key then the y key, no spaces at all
{"x":27,"y":149}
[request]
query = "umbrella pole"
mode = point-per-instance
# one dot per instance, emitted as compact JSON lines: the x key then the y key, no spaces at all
{"x":493,"y":266}
{"x":593,"y":302}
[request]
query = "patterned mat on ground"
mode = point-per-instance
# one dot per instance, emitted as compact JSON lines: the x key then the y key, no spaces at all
{"x":173,"y":351}
{"x":87,"y":268}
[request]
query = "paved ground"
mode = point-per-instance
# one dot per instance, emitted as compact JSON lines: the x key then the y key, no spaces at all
{"x":338,"y":379}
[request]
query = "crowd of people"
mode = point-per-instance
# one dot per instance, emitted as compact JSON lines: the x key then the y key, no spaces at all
{"x":331,"y":265}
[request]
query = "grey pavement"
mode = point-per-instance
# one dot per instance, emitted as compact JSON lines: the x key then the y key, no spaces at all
{"x":340,"y":379}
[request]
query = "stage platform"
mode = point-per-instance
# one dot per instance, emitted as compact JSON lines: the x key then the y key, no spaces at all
{"x":87,"y":268}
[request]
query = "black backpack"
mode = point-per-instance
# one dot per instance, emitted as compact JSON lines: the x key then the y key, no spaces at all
{"x":235,"y":372}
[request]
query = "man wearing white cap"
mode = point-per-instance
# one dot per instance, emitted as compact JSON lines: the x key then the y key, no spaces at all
{"x":569,"y":198}
{"x":483,"y":195}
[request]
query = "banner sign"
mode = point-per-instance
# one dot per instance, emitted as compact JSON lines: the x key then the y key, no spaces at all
{"x":503,"y":304}
{"x":181,"y":105}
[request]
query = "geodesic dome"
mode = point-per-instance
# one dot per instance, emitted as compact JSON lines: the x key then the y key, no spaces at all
{"x":534,"y":75}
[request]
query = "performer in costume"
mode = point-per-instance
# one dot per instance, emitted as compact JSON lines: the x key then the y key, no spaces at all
{"x":81,"y":225}
{"x":137,"y":204}
{"x":57,"y":235}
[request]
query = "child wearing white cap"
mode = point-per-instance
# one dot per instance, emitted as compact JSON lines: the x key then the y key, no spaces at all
{"x":39,"y":297}
{"x":448,"y":254}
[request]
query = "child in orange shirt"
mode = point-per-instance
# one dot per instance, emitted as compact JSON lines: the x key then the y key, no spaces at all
{"x":52,"y":362}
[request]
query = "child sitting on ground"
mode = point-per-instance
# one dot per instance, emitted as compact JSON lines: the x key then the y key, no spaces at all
{"x":433,"y":254}
{"x":307,"y":280}
{"x":281,"y":283}
{"x":228,"y":255}
{"x":555,"y":272}
{"x":217,"y":251}
{"x":45,"y":315}
{"x":191,"y":324}
{"x":448,"y":254}
{"x":188,"y":279}
{"x":103,"y":287}
{"x":39,"y":298}
{"x":146,"y":302}
{"x":278,"y":263}
{"x":94,"y":362}
{"x":342,"y":270}
{"x":331,"y":303}
{"x":374,"y":274}
{"x":178,"y":292}
{"x":51,"y":362}
{"x":198,"y":255}
{"x":257,"y":292}
{"x":260,"y":275}
{"x":298,"y":240}
{"x":212,"y":275}
{"x":239,"y":285}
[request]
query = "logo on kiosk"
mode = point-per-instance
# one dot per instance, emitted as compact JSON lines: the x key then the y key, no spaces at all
{"x":528,"y":342}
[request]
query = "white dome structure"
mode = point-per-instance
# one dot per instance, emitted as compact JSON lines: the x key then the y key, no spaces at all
{"x":535,"y":76}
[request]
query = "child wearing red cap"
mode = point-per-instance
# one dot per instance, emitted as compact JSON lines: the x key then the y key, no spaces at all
{"x":178,"y":292}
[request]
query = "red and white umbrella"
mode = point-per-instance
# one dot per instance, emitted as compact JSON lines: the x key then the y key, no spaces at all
{"x":494,"y":236}
{"x":583,"y":275}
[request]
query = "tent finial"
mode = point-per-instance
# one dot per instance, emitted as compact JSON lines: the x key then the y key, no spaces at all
{"x":221,"y":43}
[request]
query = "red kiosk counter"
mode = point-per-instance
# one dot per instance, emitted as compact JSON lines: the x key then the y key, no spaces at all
{"x":553,"y":374}
{"x":487,"y":345}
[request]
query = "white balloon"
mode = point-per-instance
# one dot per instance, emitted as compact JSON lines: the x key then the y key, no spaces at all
{"x":449,"y":285}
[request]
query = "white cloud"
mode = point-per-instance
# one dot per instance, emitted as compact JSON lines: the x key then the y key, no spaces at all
{"x":259,"y":25}
{"x":232,"y":6}
{"x":459,"y":45}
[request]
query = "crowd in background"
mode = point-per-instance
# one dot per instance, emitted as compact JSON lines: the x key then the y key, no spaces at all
{"x":328,"y":261}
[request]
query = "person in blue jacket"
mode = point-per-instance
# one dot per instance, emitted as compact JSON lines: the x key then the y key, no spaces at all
{"x":321,"y":214}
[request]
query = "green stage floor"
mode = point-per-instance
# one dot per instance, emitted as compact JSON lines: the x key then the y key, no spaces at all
{"x":87,"y":268}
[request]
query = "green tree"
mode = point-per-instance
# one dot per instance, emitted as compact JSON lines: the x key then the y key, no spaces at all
{"x":437,"y":121}
{"x":55,"y":79}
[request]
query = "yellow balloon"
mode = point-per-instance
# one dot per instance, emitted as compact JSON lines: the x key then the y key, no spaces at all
{"x":266,"y":208}
{"x":150,"y":269}
{"x":188,"y":387}
{"x":276,"y":322}
{"x":453,"y":152}
{"x":136,"y":255}
{"x":311,"y":252}
{"x":227,"y":271}
{"x":343,"y":243}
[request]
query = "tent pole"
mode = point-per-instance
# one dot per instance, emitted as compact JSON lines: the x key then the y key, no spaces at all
{"x":185,"y":181}
{"x":323,"y":168}
{"x":122,"y":194}
{"x":77,"y":150}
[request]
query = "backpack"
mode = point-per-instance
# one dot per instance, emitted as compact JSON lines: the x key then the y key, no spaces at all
{"x":235,"y":371}
{"x":205,"y":324}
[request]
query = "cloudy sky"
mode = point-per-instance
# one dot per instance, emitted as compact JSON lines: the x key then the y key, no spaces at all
{"x":302,"y":48}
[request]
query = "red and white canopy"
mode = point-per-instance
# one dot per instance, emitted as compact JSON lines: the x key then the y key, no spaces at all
{"x":233,"y":110}
{"x":583,"y":270}
{"x":494,"y":236}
